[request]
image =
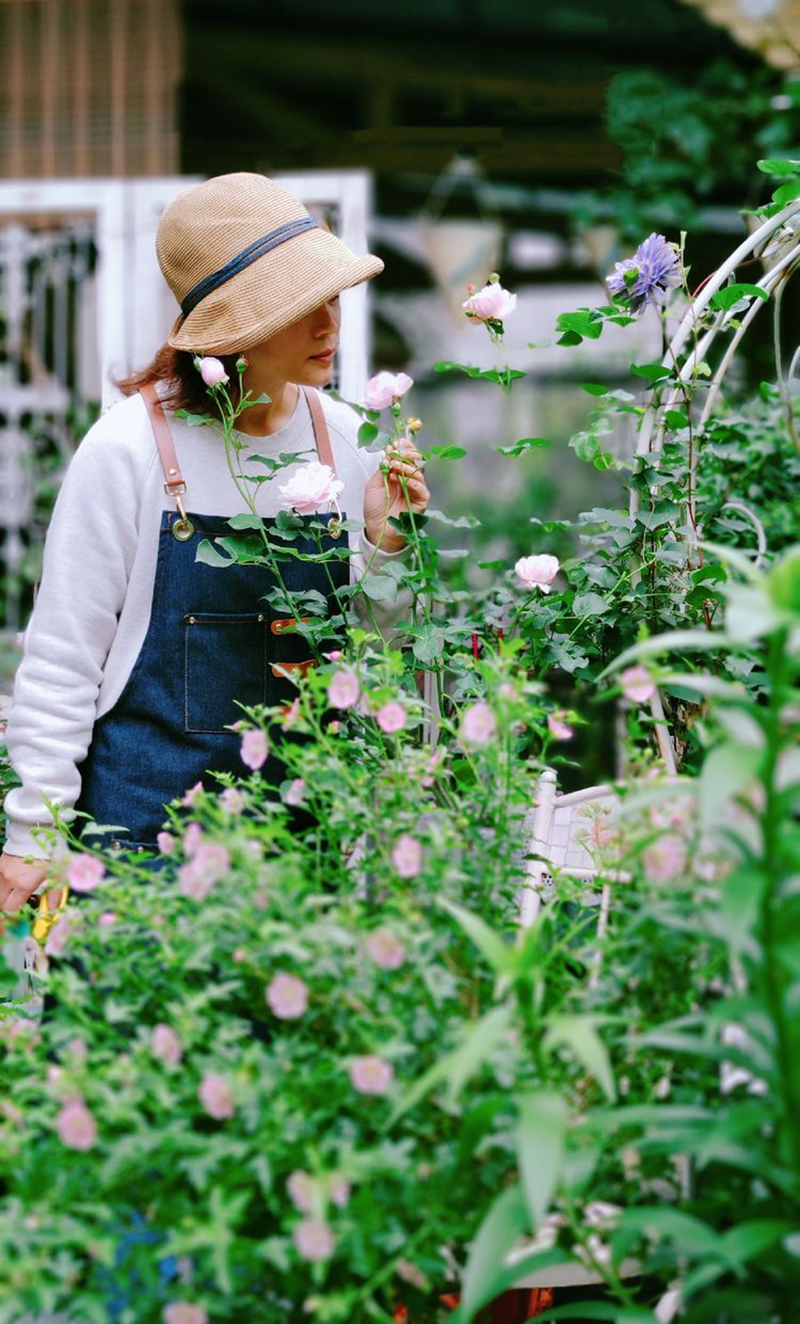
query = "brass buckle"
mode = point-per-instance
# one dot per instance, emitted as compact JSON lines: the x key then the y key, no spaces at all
{"x":183,"y":528}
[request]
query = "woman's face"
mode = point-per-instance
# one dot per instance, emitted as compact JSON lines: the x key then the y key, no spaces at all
{"x":303,"y":352}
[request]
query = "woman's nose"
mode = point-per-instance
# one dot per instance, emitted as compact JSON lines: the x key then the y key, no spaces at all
{"x":326,"y":319}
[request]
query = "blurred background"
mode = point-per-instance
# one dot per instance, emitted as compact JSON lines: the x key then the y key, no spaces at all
{"x":452,"y":137}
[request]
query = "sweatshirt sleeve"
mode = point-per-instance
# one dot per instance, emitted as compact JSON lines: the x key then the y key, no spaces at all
{"x":87,"y":560}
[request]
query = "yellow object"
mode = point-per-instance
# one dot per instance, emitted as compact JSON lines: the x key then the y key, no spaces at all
{"x":45,"y":917}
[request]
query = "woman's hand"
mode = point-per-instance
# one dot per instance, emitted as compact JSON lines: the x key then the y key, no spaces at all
{"x":18,"y":880}
{"x":404,"y":461}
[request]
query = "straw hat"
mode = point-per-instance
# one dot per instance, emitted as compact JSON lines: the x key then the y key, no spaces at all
{"x":245,"y":260}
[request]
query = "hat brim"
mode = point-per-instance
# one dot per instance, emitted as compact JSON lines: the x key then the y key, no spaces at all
{"x":299,"y":276}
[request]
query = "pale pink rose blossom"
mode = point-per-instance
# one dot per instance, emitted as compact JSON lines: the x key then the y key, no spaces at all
{"x":407,"y":856}
{"x":192,"y":883}
{"x":664,"y":859}
{"x":165,"y":1045}
{"x":212,"y":371}
{"x":637,"y":684}
{"x":296,"y":792}
{"x":59,"y":933}
{"x":212,"y":860}
{"x":343,"y":690}
{"x":312,"y":486}
{"x":558,"y":728}
{"x":301,"y":1188}
{"x":537,"y":571}
{"x":385,"y":949}
{"x":232,"y":801}
{"x":391,"y":718}
{"x":254,"y":749}
{"x":165,"y":842}
{"x":478,"y":724}
{"x":335,"y":655}
{"x":340,"y":1192}
{"x":287,"y":996}
{"x":215,"y":1095}
{"x":313,"y":1240}
{"x":85,"y":873}
{"x":107,"y":918}
{"x":491,"y":304}
{"x":371,"y":1074}
{"x":192,"y":838}
{"x":291,"y":713}
{"x":183,"y":1312}
{"x":192,"y":795}
{"x":76,"y":1126}
{"x":386,"y":387}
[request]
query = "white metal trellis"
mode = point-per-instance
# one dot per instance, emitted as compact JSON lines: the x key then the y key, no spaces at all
{"x":783,"y":229}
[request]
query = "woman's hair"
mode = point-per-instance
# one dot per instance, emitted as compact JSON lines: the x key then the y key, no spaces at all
{"x":185,"y":388}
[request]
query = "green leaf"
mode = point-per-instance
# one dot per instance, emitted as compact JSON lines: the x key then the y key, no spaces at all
{"x":192,"y":420}
{"x":688,"y":1234}
{"x":673,"y":641}
{"x":663,"y":513}
{"x":479,"y":1040}
{"x":675,"y":418}
{"x":448,"y":452}
{"x":578,"y":1033}
{"x":367,"y":433}
{"x":771,"y":166}
{"x":746,"y":1240}
{"x":594,"y":388}
{"x":499,"y":956}
{"x":590,"y":604}
{"x":247,"y":521}
{"x":652,"y":372}
{"x":380,"y":588}
{"x":586,"y":322}
{"x":786,"y":193}
{"x":429,"y":642}
{"x":731,"y":294}
{"x":540,"y":1137}
{"x":500,"y":1231}
{"x":208,"y":555}
{"x":526,"y":444}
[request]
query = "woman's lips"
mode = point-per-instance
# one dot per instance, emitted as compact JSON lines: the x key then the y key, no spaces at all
{"x":324,"y":358}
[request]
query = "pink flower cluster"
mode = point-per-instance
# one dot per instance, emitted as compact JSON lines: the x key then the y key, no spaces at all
{"x":385,"y":949}
{"x":287,"y":996}
{"x":77,"y":1128}
{"x":215,"y":1095}
{"x":478,"y":725}
{"x":343,"y":690}
{"x":85,"y":872}
{"x":208,"y":865}
{"x":371,"y":1074}
{"x":407,"y":856}
{"x":254,"y":749}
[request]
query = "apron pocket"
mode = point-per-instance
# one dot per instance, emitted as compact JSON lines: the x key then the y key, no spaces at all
{"x":225,"y":659}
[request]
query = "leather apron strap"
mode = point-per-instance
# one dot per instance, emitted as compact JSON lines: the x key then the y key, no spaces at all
{"x":321,"y":434}
{"x":163,"y":436}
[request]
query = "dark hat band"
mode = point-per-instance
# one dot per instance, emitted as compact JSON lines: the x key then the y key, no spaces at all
{"x":243,"y":259}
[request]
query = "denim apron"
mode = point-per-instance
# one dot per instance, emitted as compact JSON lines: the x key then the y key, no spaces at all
{"x":212,"y":639}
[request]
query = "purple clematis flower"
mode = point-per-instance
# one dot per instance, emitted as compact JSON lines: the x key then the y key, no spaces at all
{"x":654,"y":268}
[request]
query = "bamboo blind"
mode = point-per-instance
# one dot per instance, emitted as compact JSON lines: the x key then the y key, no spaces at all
{"x":771,"y":27}
{"x":89,"y":87}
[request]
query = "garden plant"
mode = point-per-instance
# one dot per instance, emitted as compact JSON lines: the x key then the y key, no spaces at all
{"x":312,"y":1066}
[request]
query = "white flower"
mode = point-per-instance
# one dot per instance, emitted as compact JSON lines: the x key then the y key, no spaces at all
{"x":537,"y":571}
{"x":312,"y":486}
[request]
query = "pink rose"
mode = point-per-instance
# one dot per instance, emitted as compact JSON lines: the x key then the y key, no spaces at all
{"x":215,"y":1095}
{"x":296,"y":792}
{"x":107,"y":918}
{"x":391,"y":718}
{"x":478,"y":725}
{"x":183,"y":1312}
{"x":57,"y":937}
{"x":313,"y":1241}
{"x":85,"y":872}
{"x":193,"y":884}
{"x":637,"y":684}
{"x":301,"y":1188}
{"x":537,"y":571}
{"x":192,"y":795}
{"x":291,"y":713}
{"x":386,"y":387}
{"x":312,"y":486}
{"x":165,"y":842}
{"x":212,"y":861}
{"x":254,"y":749}
{"x":192,"y":838}
{"x":232,"y":801}
{"x":407,"y":856}
{"x":287,"y":996}
{"x":664,"y":859}
{"x":491,"y":304}
{"x":165,"y":1045}
{"x":343,"y":690}
{"x":371,"y":1074}
{"x":76,"y":1126}
{"x":212,"y":371}
{"x":340,"y":1192}
{"x":385,"y":949}
{"x":557,"y":727}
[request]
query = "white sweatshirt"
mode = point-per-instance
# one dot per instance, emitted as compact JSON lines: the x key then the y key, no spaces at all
{"x":93,"y":606}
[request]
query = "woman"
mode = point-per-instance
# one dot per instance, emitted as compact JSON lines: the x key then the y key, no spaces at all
{"x":136,"y":651}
